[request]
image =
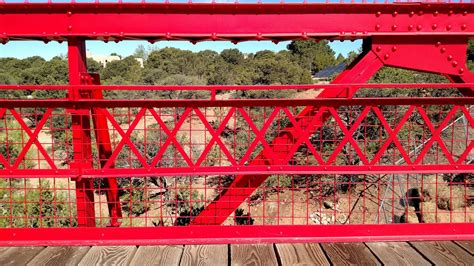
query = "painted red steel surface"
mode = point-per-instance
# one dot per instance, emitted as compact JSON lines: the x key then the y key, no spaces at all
{"x":106,"y":152}
{"x":204,"y":21}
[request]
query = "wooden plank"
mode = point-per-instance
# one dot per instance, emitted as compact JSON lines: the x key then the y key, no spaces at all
{"x":158,"y":255}
{"x":113,"y":255}
{"x":301,"y":254}
{"x":443,"y":252}
{"x":397,"y":253}
{"x":205,"y":255}
{"x":259,"y":254}
{"x":467,"y":245}
{"x":18,"y":255}
{"x":349,"y":253}
{"x":65,"y":255}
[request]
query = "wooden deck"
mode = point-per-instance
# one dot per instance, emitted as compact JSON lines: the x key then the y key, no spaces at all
{"x":375,"y":253}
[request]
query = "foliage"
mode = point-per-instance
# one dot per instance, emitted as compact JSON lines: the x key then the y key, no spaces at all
{"x":312,"y":55}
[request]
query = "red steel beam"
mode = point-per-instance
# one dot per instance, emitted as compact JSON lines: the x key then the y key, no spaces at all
{"x":235,"y":22}
{"x":81,"y":136}
{"x":189,"y":235}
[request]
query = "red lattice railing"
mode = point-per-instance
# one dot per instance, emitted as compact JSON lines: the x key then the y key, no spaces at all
{"x":96,"y":165}
{"x":362,"y":161}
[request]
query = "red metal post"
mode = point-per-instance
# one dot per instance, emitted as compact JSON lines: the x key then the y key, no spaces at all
{"x":81,"y":134}
{"x":104,"y":147}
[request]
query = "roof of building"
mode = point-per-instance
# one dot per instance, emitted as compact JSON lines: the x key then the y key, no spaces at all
{"x":330,"y":71}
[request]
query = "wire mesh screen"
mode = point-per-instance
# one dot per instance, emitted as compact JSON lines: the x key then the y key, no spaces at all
{"x":236,"y":165}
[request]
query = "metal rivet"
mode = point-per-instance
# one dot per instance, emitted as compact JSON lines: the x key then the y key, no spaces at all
{"x":448,"y":27}
{"x":410,"y":27}
{"x":461,"y":70}
{"x":464,"y":13}
{"x":464,"y":26}
{"x":443,"y":50}
{"x":394,"y":27}
{"x":420,"y":13}
{"x":269,"y":168}
{"x":394,"y":49}
{"x":435,"y":13}
{"x":69,"y":27}
{"x":412,"y":14}
{"x":377,"y":27}
{"x":434,"y":26}
{"x":438,"y":44}
{"x":455,"y":63}
{"x":450,"y":57}
{"x":379,"y":48}
{"x":419,"y":27}
{"x":450,"y":12}
{"x":378,"y":14}
{"x":395,"y":13}
{"x":69,"y":13}
{"x":386,"y":56}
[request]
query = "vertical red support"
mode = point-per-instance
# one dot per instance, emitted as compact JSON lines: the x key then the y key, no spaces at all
{"x":104,"y":147}
{"x":81,"y":134}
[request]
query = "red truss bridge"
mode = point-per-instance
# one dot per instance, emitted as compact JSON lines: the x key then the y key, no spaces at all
{"x":334,"y":167}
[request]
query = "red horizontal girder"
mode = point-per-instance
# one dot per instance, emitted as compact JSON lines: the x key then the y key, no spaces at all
{"x":233,"y":22}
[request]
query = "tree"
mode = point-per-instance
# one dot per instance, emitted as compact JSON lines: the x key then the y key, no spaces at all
{"x":232,"y":56}
{"x":312,"y":55}
{"x":125,"y":71}
{"x":140,"y":52}
{"x":340,"y":58}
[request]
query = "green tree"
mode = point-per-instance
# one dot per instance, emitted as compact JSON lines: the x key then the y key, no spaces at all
{"x":125,"y":71}
{"x":232,"y":56}
{"x":312,"y":55}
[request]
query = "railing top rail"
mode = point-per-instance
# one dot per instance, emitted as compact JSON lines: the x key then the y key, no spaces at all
{"x":233,"y":2}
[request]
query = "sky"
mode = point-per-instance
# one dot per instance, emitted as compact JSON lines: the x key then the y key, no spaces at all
{"x":23,"y":49}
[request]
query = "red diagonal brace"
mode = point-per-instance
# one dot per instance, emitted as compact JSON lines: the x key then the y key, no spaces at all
{"x":393,"y":51}
{"x":243,"y":186}
{"x":104,"y":146}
